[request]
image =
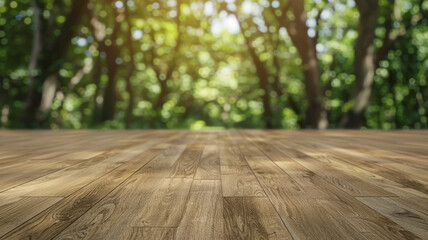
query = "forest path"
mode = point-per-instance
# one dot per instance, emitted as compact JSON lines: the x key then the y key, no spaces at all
{"x":237,"y":184}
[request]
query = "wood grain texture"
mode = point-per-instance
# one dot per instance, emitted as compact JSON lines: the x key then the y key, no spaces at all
{"x":166,"y":206}
{"x":410,"y":219}
{"x":56,"y":218}
{"x":209,"y":167}
{"x":12,"y":215}
{"x":187,"y":163}
{"x":112,"y":217}
{"x":239,"y":181}
{"x":203,"y":217}
{"x":252,"y":218}
{"x":239,"y":184}
{"x":230,"y":155}
{"x":17,"y":174}
{"x":152,"y":233}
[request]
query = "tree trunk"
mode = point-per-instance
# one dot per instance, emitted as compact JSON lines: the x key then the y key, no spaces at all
{"x":263,"y":76}
{"x":163,"y":81}
{"x":4,"y":103}
{"x":316,"y":114}
{"x":129,"y":88}
{"x":297,"y":30}
{"x":164,"y":73}
{"x":48,"y":93}
{"x":50,"y":64}
{"x":31,"y":102}
{"x":96,"y":75}
{"x":365,"y":66}
{"x":108,"y":109}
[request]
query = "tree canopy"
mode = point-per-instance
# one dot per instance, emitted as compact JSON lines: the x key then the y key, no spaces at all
{"x":289,"y":64}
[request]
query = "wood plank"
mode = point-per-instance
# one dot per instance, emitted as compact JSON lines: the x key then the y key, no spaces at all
{"x":345,"y":181}
{"x":252,"y":218}
{"x":264,"y":165}
{"x":209,"y":167}
{"x":408,"y":197}
{"x":408,"y":218}
{"x":111,"y":217}
{"x":169,"y":184}
{"x":230,"y":155}
{"x":55,"y":219}
{"x":366,"y":162}
{"x":187,"y":163}
{"x":66,"y":181}
{"x":323,"y":167}
{"x":312,"y":208}
{"x":239,"y":181}
{"x":162,"y":165}
{"x":152,"y":233}
{"x":63,"y":182}
{"x":16,"y":213}
{"x":311,"y":213}
{"x":30,"y":170}
{"x":203,"y":218}
{"x":166,"y":207}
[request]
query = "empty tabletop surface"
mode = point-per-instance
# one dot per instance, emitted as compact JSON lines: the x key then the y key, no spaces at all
{"x":220,"y":184}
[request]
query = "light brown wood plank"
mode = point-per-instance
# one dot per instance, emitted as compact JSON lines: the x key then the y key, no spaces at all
{"x":231,"y":156}
{"x":264,"y":165}
{"x":311,"y":213}
{"x":166,"y":207}
{"x":111,"y":217}
{"x":63,"y":182}
{"x":239,"y":181}
{"x":311,"y":207}
{"x":169,"y":184}
{"x":187,"y":163}
{"x":56,"y":218}
{"x":152,"y":233}
{"x":323,"y":167}
{"x":373,"y":165}
{"x":203,"y":217}
{"x":30,"y":170}
{"x":16,"y":213}
{"x":252,"y":218}
{"x":162,"y":165}
{"x":408,"y":218}
{"x":347,"y":182}
{"x":409,"y":197}
{"x":209,"y":167}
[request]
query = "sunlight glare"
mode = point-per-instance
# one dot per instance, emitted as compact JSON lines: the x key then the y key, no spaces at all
{"x":225,"y":23}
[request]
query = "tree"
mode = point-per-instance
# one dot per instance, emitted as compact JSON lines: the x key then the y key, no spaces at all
{"x":131,"y":70}
{"x":368,"y":58}
{"x":263,"y":76}
{"x":47,"y":55}
{"x":165,"y":70}
{"x":190,"y":64}
{"x":364,"y":63}
{"x":292,"y":16}
{"x":107,"y":44}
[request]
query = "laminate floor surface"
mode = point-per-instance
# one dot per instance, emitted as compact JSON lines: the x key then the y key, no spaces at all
{"x":242,"y":184}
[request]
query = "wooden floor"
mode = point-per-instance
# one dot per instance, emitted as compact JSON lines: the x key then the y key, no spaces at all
{"x":246,"y":184}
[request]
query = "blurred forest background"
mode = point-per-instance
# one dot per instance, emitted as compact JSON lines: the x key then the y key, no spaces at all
{"x":214,"y":64}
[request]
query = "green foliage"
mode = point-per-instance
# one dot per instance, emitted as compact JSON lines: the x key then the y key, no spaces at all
{"x":203,"y":56}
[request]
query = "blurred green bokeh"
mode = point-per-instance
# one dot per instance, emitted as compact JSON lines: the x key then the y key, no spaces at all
{"x":188,"y":64}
